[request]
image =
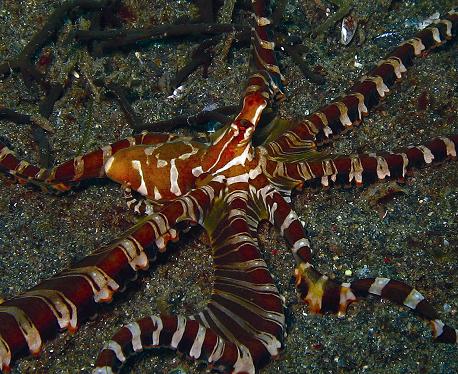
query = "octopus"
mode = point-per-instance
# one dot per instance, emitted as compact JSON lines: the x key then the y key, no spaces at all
{"x":227,"y":185}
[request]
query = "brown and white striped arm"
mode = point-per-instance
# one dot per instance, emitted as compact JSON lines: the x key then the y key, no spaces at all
{"x":176,"y":332}
{"x":316,"y":290}
{"x":242,"y":326}
{"x":245,"y":306}
{"x":140,"y":205}
{"x":349,"y":110}
{"x":403,"y":294}
{"x":71,"y":297}
{"x":325,"y":295}
{"x":69,"y":173}
{"x":266,"y":78}
{"x":364,"y":168}
{"x":290,"y":227}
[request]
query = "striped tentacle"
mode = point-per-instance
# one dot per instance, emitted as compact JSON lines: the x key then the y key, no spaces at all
{"x":176,"y":332}
{"x":315,"y":289}
{"x":243,"y":324}
{"x":287,"y":222}
{"x":362,"y":168}
{"x":70,"y":297}
{"x":365,"y":95}
{"x":233,"y":146}
{"x":267,"y":78}
{"x":403,"y":294}
{"x":325,"y":295}
{"x":320,"y":293}
{"x":140,"y":205}
{"x":63,"y":176}
{"x":143,"y":206}
{"x":245,"y":307}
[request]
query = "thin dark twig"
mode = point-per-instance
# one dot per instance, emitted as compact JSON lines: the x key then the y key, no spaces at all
{"x":206,"y":11}
{"x":204,"y":54}
{"x":47,"y":104}
{"x":106,"y":17}
{"x":137,"y":124}
{"x":45,"y":156}
{"x":45,"y":109}
{"x":133,"y":119}
{"x":122,"y":38}
{"x":201,"y":56}
{"x":161,"y":31}
{"x":13,"y":116}
{"x":196,"y":121}
{"x":23,"y":63}
{"x":49,"y":30}
{"x":203,"y":59}
{"x":30,"y":73}
{"x":294,"y":52}
{"x":279,"y":11}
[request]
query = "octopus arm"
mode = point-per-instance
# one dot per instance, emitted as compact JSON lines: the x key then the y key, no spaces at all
{"x":66,"y":175}
{"x":71,"y":297}
{"x":243,"y":324}
{"x":347,"y":111}
{"x":361,"y":168}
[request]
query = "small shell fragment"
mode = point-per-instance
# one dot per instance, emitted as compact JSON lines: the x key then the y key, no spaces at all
{"x":348,"y":29}
{"x":178,"y":93}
